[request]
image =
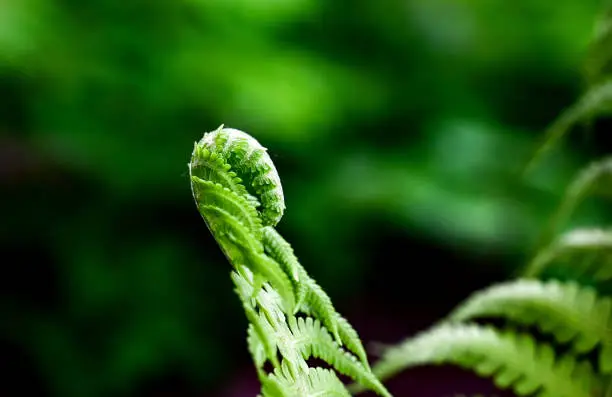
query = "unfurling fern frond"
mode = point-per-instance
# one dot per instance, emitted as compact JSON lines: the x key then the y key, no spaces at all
{"x":583,"y":251}
{"x":253,"y":166}
{"x":513,"y":360}
{"x":238,"y":193}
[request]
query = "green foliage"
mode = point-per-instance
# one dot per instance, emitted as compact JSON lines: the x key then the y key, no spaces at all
{"x":514,"y":360}
{"x":99,"y":98}
{"x":593,"y":180}
{"x":571,"y":313}
{"x":238,"y":193}
{"x":575,"y":315}
{"x":598,"y":65}
{"x":584,"y":252}
{"x":596,"y":101}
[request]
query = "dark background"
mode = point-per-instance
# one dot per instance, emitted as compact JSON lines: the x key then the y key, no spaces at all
{"x":397,"y":126}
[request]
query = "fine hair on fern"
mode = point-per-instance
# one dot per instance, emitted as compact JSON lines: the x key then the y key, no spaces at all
{"x":238,"y":192}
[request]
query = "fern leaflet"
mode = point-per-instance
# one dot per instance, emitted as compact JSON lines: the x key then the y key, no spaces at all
{"x":513,"y":360}
{"x":566,"y":310}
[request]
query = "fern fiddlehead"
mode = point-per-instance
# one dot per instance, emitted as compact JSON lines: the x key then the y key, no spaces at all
{"x":238,"y":193}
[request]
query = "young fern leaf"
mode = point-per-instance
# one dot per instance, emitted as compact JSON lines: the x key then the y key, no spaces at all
{"x":315,"y":341}
{"x":318,"y":382}
{"x":214,"y":194}
{"x":319,"y":302}
{"x":351,"y":339}
{"x":210,"y":166}
{"x":566,"y":310}
{"x":586,"y":251}
{"x":513,"y":360}
{"x":258,"y":352}
{"x":280,"y":250}
{"x":238,"y":193}
{"x":260,"y":336}
{"x":244,"y":250}
{"x":298,"y":339}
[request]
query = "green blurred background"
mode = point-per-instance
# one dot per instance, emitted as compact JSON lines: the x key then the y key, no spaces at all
{"x":397,"y":126}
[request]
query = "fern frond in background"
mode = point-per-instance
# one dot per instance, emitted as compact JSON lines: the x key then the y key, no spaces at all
{"x":596,"y":101}
{"x":573,"y":314}
{"x":594,"y":180}
{"x":583,"y":252}
{"x":516,"y":360}
{"x":238,"y":193}
{"x":597,"y":97}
